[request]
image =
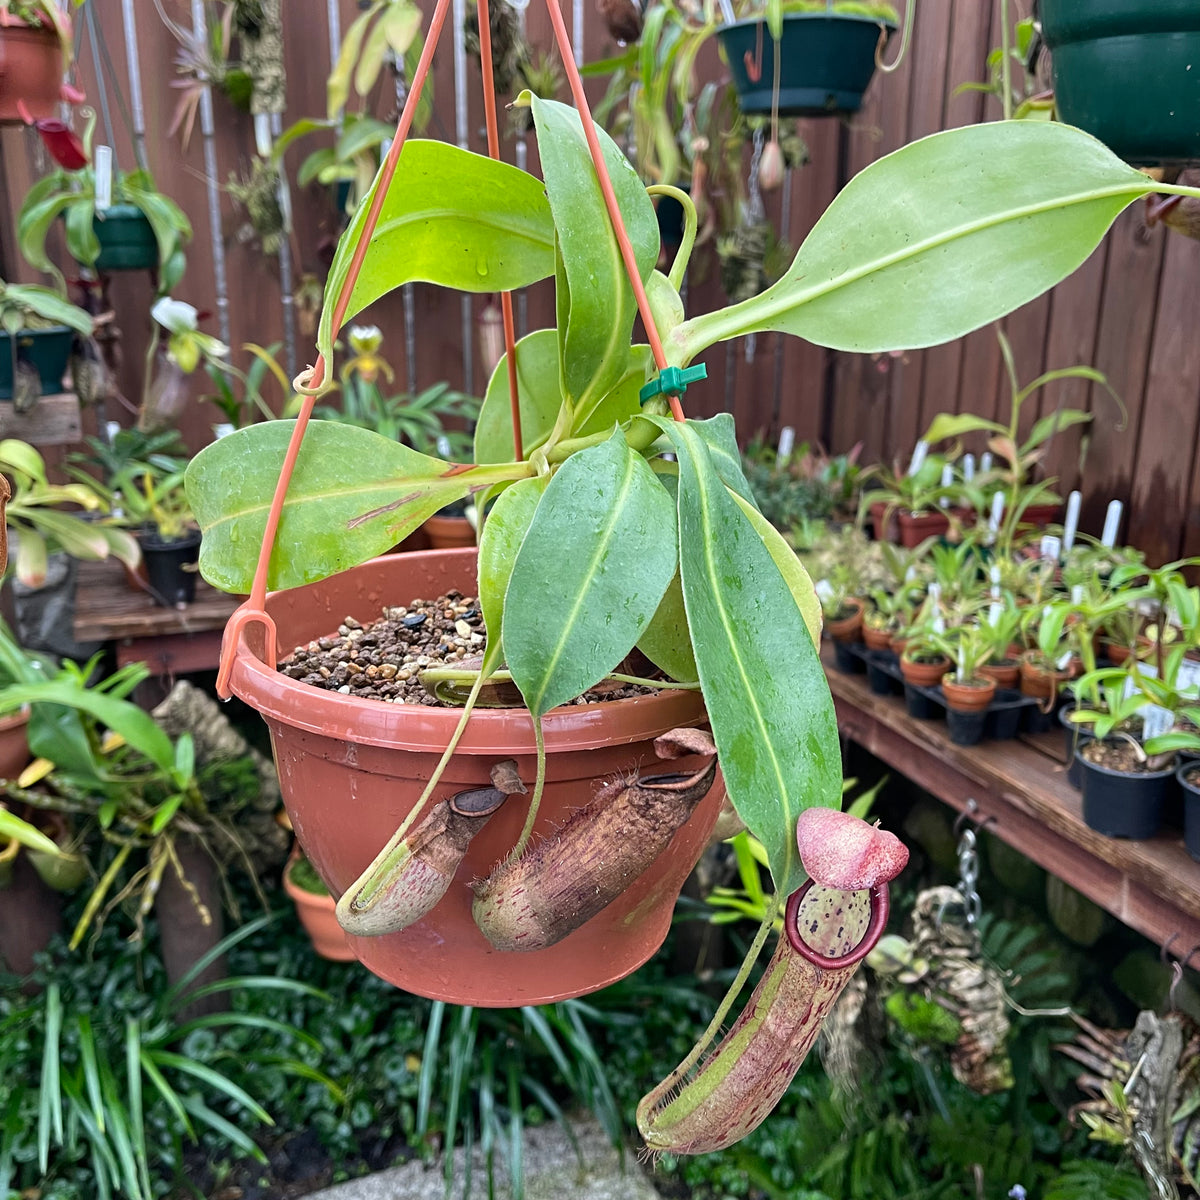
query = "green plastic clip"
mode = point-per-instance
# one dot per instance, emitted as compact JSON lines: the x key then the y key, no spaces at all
{"x":672,"y":381}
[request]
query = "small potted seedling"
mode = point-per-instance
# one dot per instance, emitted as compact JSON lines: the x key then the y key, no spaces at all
{"x":1000,"y":627}
{"x":1126,"y":774}
{"x":910,"y":499}
{"x":924,"y":661}
{"x":1046,"y":665}
{"x":1184,"y":739}
{"x":968,"y":691}
{"x":843,"y":618}
{"x":156,"y":507}
{"x":37,"y":329}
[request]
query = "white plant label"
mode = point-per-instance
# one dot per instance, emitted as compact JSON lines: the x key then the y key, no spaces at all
{"x":1071,"y":523}
{"x":920,"y":451}
{"x":968,"y":467}
{"x":787,"y":443}
{"x":824,"y":590}
{"x":1188,"y":676}
{"x":223,"y":429}
{"x":103,"y":176}
{"x":947,"y":481}
{"x":1077,"y":594}
{"x":985,"y":461}
{"x":997,"y":513}
{"x":1063,"y":661}
{"x":1112,"y":522}
{"x":995,"y":612}
{"x":994,"y":574}
{"x":1050,"y":546}
{"x":1156,"y":721}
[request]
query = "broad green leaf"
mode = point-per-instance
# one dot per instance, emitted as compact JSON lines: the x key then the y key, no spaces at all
{"x":665,"y":303}
{"x":597,"y":323}
{"x":375,"y":46}
{"x":938,"y":238}
{"x":720,"y":437}
{"x":954,"y":425}
{"x":82,"y":243}
{"x":76,"y":537}
{"x":23,"y":457}
{"x":353,"y":495}
{"x":503,"y":532}
{"x":537,"y":385}
{"x":452,"y":218}
{"x":666,"y":642}
{"x":764,"y":686}
{"x":137,"y":727}
{"x":590,"y":574}
{"x":799,"y":582}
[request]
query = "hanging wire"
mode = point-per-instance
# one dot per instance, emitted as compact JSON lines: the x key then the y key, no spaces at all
{"x":133,"y":66}
{"x":105,"y":115}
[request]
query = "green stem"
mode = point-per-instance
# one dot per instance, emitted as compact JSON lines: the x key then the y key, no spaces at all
{"x":539,"y":785}
{"x":735,"y":988}
{"x":1005,"y":62}
{"x":690,"y":223}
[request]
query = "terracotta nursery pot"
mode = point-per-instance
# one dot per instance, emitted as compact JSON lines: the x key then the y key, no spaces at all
{"x":968,"y":697}
{"x":877,"y":639}
{"x":449,"y":533}
{"x":1007,"y":674}
{"x":848,"y":628}
{"x":1041,"y":684}
{"x":923,"y":674}
{"x":350,"y":770}
{"x":317,"y":915}
{"x":31,"y":69}
{"x":915,"y":527}
{"x":885,"y":530}
{"x":14,"y":745}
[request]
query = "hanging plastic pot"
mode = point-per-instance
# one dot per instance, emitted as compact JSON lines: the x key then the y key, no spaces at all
{"x":1128,"y":72}
{"x":827,"y":60}
{"x":127,"y":241}
{"x":46,"y":350}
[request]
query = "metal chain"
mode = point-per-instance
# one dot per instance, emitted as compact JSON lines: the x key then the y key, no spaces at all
{"x":968,"y":876}
{"x":756,"y":210}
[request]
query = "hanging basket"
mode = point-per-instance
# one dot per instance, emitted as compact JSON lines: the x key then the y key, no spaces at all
{"x":826,"y":62}
{"x":1128,"y":72}
{"x":31,"y":69}
{"x":350,"y":769}
{"x":127,"y":241}
{"x":46,"y":350}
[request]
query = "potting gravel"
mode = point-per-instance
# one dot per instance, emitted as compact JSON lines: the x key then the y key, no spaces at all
{"x":384,"y":660}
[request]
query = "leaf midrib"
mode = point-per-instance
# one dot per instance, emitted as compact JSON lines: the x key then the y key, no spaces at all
{"x":730,"y":317}
{"x":602,"y":544}
{"x":524,"y":229}
{"x":784,"y":797}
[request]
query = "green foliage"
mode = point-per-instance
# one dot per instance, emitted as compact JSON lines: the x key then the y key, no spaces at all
{"x":102,"y":1080}
{"x":28,"y":306}
{"x":304,"y":875}
{"x":1093,"y":1179}
{"x":923,"y":1020}
{"x":807,"y":486}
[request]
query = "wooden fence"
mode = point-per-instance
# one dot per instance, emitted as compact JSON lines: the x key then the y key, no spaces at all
{"x":1131,"y":310}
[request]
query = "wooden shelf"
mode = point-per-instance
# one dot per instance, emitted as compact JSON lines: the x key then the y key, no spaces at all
{"x":53,"y":421}
{"x":170,"y":640}
{"x":1152,"y":886}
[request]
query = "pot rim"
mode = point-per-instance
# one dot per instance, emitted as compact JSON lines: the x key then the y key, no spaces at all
{"x":1185,"y":768}
{"x":1133,"y":775}
{"x":297,"y":894}
{"x":427,"y":729}
{"x":818,"y":15}
{"x":15,"y":720}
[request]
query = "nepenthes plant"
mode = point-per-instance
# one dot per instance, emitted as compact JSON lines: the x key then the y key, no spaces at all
{"x":614,"y":521}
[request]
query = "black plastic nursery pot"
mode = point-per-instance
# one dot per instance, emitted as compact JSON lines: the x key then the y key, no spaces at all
{"x":127,"y":241}
{"x":1124,"y":804}
{"x":171,"y":566}
{"x":966,"y":728}
{"x":846,"y":658}
{"x":881,"y":675}
{"x":1128,"y":72}
{"x":918,"y":705}
{"x":1191,"y":806}
{"x":826,"y":62}
{"x":46,"y":350}
{"x":1075,"y":737}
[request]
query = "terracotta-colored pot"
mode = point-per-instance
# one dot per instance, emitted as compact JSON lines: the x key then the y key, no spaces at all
{"x":449,"y":533}
{"x":968,"y":697}
{"x":1039,"y":683}
{"x":849,"y":628}
{"x":1006,"y":674}
{"x":14,"y":745}
{"x":915,"y":527}
{"x":897,"y":644}
{"x":876,"y":638}
{"x":1118,"y":653}
{"x":888,"y":531}
{"x":924,"y":674}
{"x":318,"y":917}
{"x":31,"y":69}
{"x":351,"y":768}
{"x":1038,"y":516}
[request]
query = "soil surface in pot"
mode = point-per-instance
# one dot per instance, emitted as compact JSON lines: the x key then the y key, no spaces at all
{"x":384,"y":660}
{"x":1116,"y":756}
{"x":1192,"y":778}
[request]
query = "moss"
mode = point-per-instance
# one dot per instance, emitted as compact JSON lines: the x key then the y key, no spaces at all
{"x":303,"y":874}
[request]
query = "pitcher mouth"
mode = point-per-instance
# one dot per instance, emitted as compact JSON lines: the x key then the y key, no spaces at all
{"x":880,"y":908}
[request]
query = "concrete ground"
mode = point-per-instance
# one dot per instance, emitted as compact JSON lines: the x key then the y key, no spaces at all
{"x":552,"y":1172}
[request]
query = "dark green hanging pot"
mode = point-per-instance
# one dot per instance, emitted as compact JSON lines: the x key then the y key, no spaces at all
{"x":1128,"y":72}
{"x":127,"y":241}
{"x":46,"y":350}
{"x":826,"y":62}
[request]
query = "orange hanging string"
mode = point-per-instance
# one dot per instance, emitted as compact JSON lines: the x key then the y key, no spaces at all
{"x":610,"y":198}
{"x":254,"y":609}
{"x":493,"y":140}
